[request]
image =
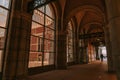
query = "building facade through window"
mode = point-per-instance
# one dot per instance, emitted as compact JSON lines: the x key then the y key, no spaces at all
{"x":42,"y":43}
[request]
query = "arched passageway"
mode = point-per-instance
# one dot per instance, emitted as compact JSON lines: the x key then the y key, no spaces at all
{"x":57,"y":34}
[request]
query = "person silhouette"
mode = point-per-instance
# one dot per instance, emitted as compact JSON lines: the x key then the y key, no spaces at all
{"x":101,"y":56}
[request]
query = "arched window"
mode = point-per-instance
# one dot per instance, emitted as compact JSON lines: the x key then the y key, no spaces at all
{"x":70,"y":38}
{"x":4,"y":12}
{"x":42,"y":37}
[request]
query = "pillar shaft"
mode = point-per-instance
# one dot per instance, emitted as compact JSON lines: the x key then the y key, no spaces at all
{"x":61,"y":51}
{"x":109,"y":50}
{"x":17,"y":48}
{"x":113,"y":10}
{"x":77,"y":51}
{"x":97,"y":55}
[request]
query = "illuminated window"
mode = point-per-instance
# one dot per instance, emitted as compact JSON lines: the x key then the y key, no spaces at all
{"x":4,"y":11}
{"x":70,"y":42}
{"x":42,"y":37}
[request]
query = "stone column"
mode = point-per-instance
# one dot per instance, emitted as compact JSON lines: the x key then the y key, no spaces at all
{"x":78,"y":52}
{"x":86,"y":56}
{"x":81,"y":52}
{"x":18,"y":42}
{"x":109,"y":50}
{"x":97,"y":55}
{"x":113,"y":10}
{"x":61,"y":51}
{"x":77,"y":48}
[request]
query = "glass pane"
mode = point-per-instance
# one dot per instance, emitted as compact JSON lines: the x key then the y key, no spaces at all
{"x":70,"y":49}
{"x":70,"y":34}
{"x":49,"y":11}
{"x":41,"y":9}
{"x":34,"y":43}
{"x":2,"y":38}
{"x":49,"y":22}
{"x":70,"y":42}
{"x":40,"y":47}
{"x":1,"y":60}
{"x":48,"y":46}
{"x":70,"y":57}
{"x":38,"y":17}
{"x":51,"y":60}
{"x":5,"y":3}
{"x":3,"y":17}
{"x":51,"y":46}
{"x":69,"y":25}
{"x":37,"y":29}
{"x":48,"y":58}
{"x":49,"y":33}
{"x":35,"y":59}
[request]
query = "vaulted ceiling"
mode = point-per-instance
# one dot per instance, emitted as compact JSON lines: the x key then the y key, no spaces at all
{"x":90,"y":14}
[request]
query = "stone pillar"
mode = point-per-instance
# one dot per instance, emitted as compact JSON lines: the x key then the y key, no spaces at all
{"x":81,"y":48}
{"x":18,"y":42}
{"x":86,"y":56}
{"x":113,"y":10}
{"x":109,"y":50}
{"x":61,"y":51}
{"x":97,"y":55}
{"x":77,"y":49}
{"x":81,"y":54}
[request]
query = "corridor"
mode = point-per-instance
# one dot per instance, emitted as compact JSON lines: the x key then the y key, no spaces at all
{"x":93,"y":71}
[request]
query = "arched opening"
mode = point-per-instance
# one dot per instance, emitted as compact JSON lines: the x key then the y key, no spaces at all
{"x":42,"y":45}
{"x":70,"y":42}
{"x":102,"y":50}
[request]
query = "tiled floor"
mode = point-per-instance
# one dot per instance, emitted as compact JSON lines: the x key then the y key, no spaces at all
{"x":93,"y":71}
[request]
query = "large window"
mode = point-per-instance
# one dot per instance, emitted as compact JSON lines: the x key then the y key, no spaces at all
{"x":4,"y":11}
{"x":70,"y":38}
{"x":42,"y":37}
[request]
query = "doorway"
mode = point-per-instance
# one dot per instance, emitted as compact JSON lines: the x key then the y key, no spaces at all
{"x":102,"y":50}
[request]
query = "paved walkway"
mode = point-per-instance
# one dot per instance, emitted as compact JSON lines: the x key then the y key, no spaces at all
{"x":93,"y":71}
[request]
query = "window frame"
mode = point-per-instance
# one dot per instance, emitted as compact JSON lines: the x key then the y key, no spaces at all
{"x":43,"y":37}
